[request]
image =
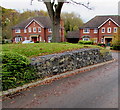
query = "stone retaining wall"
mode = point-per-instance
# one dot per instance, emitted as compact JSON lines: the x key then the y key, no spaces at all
{"x":58,"y":63}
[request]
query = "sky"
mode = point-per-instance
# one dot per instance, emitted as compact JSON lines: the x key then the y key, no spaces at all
{"x":99,"y":7}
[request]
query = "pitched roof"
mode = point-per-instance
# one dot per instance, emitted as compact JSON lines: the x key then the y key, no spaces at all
{"x":99,"y":20}
{"x":43,"y":20}
{"x":73,"y":34}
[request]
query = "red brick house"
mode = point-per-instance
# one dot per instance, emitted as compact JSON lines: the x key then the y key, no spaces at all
{"x":35,"y":29}
{"x":100,"y":28}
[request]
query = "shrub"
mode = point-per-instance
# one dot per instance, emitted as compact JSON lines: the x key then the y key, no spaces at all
{"x":65,"y":43}
{"x":85,"y":42}
{"x":37,"y":42}
{"x":16,"y":70}
{"x":102,"y":45}
{"x":115,"y":47}
{"x":3,"y":41}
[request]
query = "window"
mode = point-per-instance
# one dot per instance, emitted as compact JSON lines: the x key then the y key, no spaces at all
{"x":102,"y":40}
{"x":49,"y":30}
{"x":18,"y":39}
{"x":25,"y":38}
{"x":29,"y":29}
{"x":86,"y":39}
{"x":103,"y":30}
{"x":34,"y":29}
{"x":109,"y":30}
{"x":95,"y":30}
{"x":40,"y":38}
{"x":86,"y":30}
{"x":25,"y":31}
{"x":115,"y":29}
{"x":39,"y":29}
{"x":17,"y":31}
{"x":95,"y":40}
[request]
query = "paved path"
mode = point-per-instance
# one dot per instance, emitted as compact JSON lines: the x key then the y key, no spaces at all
{"x":94,"y":89}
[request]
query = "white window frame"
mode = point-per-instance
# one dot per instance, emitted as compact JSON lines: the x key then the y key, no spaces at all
{"x":103,"y":28}
{"x":25,"y":31}
{"x":25,"y":38}
{"x":39,"y":29}
{"x":102,"y":40}
{"x":17,"y":31}
{"x":49,"y":30}
{"x":40,"y":38}
{"x":29,"y":29}
{"x":34,"y":29}
{"x":115,"y":29}
{"x":18,"y":39}
{"x":95,"y":30}
{"x":86,"y":30}
{"x":109,"y":30}
{"x":95,"y":40}
{"x":86,"y":39}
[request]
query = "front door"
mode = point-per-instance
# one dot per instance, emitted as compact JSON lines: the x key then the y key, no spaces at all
{"x":34,"y":39}
{"x":108,"y":41}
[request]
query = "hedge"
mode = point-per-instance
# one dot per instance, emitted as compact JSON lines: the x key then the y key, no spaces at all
{"x":102,"y":45}
{"x":115,"y":47}
{"x":85,"y":42}
{"x":16,"y":70}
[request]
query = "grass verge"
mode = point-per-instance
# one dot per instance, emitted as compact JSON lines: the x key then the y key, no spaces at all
{"x":40,"y":49}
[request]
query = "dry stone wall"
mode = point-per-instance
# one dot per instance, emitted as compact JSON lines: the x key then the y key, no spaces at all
{"x":58,"y":63}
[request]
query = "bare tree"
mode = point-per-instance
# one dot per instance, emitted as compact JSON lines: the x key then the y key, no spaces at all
{"x":54,"y":8}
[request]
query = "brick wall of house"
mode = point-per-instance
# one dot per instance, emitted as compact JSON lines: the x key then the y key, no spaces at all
{"x":28,"y":34}
{"x":106,"y":25}
{"x":100,"y":35}
{"x":43,"y":34}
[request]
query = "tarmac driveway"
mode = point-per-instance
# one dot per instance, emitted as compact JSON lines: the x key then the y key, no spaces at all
{"x":97,"y":88}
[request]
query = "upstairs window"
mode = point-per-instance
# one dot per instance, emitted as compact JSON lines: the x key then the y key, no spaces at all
{"x":39,"y":29}
{"x":17,"y":31}
{"x":29,"y":29}
{"x":49,"y":30}
{"x":109,"y":30}
{"x":115,"y":29}
{"x":34,"y":29}
{"x":95,"y":30}
{"x":103,"y":30}
{"x":25,"y":31}
{"x":86,"y":30}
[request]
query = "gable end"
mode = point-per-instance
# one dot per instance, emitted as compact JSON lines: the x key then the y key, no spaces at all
{"x":36,"y":22}
{"x":107,"y":21}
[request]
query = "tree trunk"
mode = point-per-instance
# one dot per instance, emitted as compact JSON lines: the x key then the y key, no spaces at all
{"x":55,"y":19}
{"x":55,"y":31}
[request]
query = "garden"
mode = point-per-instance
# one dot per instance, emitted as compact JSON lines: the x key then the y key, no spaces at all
{"x":15,"y":58}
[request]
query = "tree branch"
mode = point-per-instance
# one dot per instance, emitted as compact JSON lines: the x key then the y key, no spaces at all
{"x":78,"y":3}
{"x":49,"y":6}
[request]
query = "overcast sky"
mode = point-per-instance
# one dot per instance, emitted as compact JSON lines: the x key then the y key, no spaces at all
{"x":100,"y":7}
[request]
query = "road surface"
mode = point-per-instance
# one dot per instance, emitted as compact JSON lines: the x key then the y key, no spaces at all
{"x":97,"y":88}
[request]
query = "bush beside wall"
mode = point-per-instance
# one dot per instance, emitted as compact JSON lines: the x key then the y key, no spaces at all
{"x":16,"y":70}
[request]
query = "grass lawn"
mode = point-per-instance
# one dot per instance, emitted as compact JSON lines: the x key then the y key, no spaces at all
{"x":39,"y":49}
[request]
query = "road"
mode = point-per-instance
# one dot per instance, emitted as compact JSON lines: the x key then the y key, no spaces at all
{"x":97,"y":88}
